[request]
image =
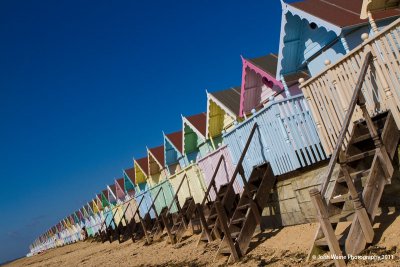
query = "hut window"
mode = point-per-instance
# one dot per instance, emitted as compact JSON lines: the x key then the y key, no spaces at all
{"x":267,"y":82}
{"x":313,"y":26}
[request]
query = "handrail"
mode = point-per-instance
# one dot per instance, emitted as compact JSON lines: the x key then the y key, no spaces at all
{"x":346,"y":122}
{"x":123,"y":215}
{"x":212,"y":183}
{"x":154,"y":200}
{"x":112,"y":219}
{"x":104,"y":221}
{"x":239,"y":164}
{"x":176,"y":194}
{"x":137,"y":208}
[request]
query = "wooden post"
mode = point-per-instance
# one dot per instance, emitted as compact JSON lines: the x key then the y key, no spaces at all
{"x":145,"y":230}
{"x":253,"y":205}
{"x":372,"y":23}
{"x":171,"y":237}
{"x":223,"y":219}
{"x":204,"y":222}
{"x":383,"y":156}
{"x":360,"y":210}
{"x":323,"y":217}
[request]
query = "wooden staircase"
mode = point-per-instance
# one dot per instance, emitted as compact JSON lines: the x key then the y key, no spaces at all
{"x":153,"y":228}
{"x":177,"y":226}
{"x":133,"y":229}
{"x":228,"y":200}
{"x":233,"y":218}
{"x":346,"y":212}
{"x":106,"y":232}
{"x":247,"y":215}
{"x":128,"y":231}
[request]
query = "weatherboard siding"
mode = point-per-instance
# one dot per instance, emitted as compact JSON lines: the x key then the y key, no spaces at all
{"x":208,"y":165}
{"x":193,"y":186}
{"x":218,"y":119}
{"x":146,"y":203}
{"x":130,"y":206}
{"x":286,"y":137}
{"x":165,"y":196}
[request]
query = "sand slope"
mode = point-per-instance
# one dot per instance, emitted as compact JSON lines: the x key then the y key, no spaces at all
{"x":282,"y":247}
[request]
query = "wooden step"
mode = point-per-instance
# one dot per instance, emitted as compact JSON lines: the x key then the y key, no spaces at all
{"x":213,"y":216}
{"x":355,"y":176}
{"x":204,"y":238}
{"x":340,"y":198}
{"x":360,"y":138}
{"x":244,"y":206}
{"x":235,"y":234}
{"x":225,"y":250}
{"x":242,"y":226}
{"x":238,"y":221}
{"x":362,"y":155}
{"x":344,"y":216}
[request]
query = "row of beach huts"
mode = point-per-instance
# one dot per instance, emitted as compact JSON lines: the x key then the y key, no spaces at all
{"x":250,"y":160}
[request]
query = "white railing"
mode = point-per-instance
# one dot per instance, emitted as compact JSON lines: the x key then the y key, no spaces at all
{"x":329,"y":93}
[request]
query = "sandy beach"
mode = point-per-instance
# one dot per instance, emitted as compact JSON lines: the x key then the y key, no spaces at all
{"x":287,"y":246}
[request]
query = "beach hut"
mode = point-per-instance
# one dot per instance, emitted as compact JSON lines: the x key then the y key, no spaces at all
{"x":89,"y":223}
{"x":142,"y":187}
{"x":115,"y":206}
{"x":75,"y":226}
{"x":195,"y":143}
{"x":208,"y":166}
{"x":314,"y":31}
{"x":72,"y":229}
{"x":157,"y":171}
{"x":129,"y":182}
{"x":223,"y":110}
{"x":120,"y":190}
{"x":112,"y":194}
{"x":286,"y":136}
{"x":158,"y":179}
{"x":96,"y":215}
{"x":129,"y":189}
{"x":192,"y":181}
{"x":101,"y":210}
{"x":173,"y":158}
{"x":259,"y":84}
{"x":127,"y":205}
{"x":285,"y":133}
{"x":108,"y":209}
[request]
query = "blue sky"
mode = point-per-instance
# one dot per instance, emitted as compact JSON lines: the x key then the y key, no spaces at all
{"x":86,"y":85}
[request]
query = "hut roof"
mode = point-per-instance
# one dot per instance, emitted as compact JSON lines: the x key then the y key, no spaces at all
{"x":131,"y":174}
{"x":113,"y":189}
{"x":229,"y":99}
{"x":158,"y":154}
{"x":341,"y":13}
{"x":268,"y":63}
{"x":176,"y":139}
{"x":120,"y":182}
{"x":143,"y":164}
{"x":199,"y":122}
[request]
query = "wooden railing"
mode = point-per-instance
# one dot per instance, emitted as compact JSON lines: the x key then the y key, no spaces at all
{"x":349,"y":114}
{"x":152,"y":206}
{"x":329,"y":93}
{"x":287,"y":137}
{"x":238,"y":170}
{"x":212,"y":184}
{"x":175,"y":199}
